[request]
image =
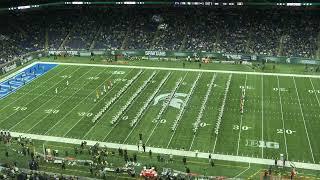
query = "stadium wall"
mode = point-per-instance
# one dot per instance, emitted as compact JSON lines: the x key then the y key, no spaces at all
{"x":158,"y":55}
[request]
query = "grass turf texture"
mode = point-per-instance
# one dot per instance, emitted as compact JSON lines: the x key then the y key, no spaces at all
{"x":276,"y":109}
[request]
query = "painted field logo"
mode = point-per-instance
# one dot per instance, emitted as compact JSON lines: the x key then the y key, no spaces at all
{"x":175,"y":101}
{"x":262,"y":144}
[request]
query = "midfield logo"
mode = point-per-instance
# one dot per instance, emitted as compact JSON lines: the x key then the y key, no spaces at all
{"x":175,"y":102}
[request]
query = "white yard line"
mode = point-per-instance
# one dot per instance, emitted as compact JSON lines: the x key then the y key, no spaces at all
{"x":224,"y":157}
{"x":77,"y":122}
{"x":30,"y":103}
{"x":174,"y":152}
{"x":193,"y":138}
{"x":182,"y":69}
{"x":163,"y":109}
{"x":156,"y":93}
{"x":314,"y":91}
{"x":184,"y":107}
{"x":34,"y":88}
{"x":80,"y":120}
{"x":282,"y":118}
{"x":134,"y":100}
{"x":226,"y":94}
{"x":204,"y":104}
{"x":243,"y":171}
{"x":304,"y":122}
{"x":262,"y":138}
{"x":241,"y":118}
{"x":85,"y":135}
{"x":79,"y":104}
{"x":64,"y":100}
{"x":48,"y":101}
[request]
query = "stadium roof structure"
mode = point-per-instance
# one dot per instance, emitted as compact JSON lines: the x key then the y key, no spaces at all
{"x":15,"y":3}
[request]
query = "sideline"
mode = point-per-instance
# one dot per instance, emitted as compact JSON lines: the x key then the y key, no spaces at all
{"x":182,"y":69}
{"x":167,"y":151}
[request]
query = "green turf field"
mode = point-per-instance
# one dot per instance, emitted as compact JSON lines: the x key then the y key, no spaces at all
{"x":173,"y":109}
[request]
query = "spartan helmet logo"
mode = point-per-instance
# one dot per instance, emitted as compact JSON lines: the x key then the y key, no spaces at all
{"x":175,"y":101}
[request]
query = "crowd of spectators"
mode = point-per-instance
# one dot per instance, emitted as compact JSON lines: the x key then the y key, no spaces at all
{"x":12,"y":172}
{"x":171,"y":31}
{"x":203,"y":31}
{"x":5,"y":137}
{"x":83,"y":32}
{"x":58,"y":30}
{"x":142,"y":31}
{"x":301,"y":36}
{"x":113,"y":30}
{"x":20,"y":34}
{"x":264,"y":32}
{"x":234,"y":33}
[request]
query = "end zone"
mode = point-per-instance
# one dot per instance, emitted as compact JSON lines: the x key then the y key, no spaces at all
{"x":22,"y":77}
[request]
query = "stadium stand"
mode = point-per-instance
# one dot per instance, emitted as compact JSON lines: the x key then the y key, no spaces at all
{"x":113,"y":30}
{"x":301,"y":36}
{"x":59,"y":29}
{"x":171,"y":32}
{"x":142,"y":31}
{"x":202,"y":34}
{"x":266,"y":33}
{"x":275,"y":33}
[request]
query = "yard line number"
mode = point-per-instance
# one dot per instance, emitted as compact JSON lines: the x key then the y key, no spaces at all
{"x":85,"y":114}
{"x":162,"y":121}
{"x":119,"y":79}
{"x":51,"y":111}
{"x":246,"y":87}
{"x":287,"y":131}
{"x":118,"y":72}
{"x":244,"y":128}
{"x":93,"y":78}
{"x":20,"y":108}
{"x":66,"y":76}
{"x":314,"y":91}
{"x":203,"y":124}
{"x":279,"y":89}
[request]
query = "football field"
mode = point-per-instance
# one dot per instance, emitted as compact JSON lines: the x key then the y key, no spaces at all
{"x":243,"y":114}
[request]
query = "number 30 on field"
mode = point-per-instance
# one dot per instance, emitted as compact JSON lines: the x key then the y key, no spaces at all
{"x":244,"y":128}
{"x":287,"y":131}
